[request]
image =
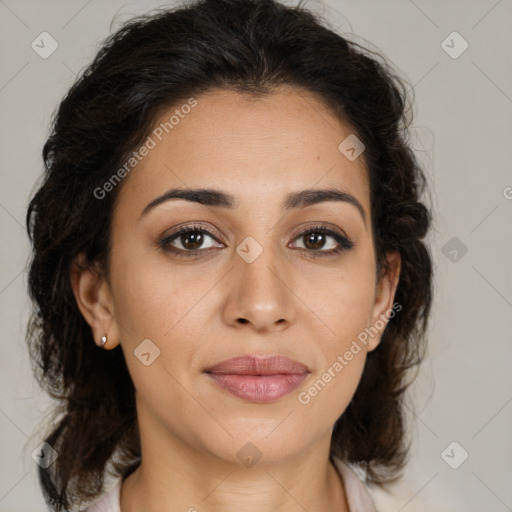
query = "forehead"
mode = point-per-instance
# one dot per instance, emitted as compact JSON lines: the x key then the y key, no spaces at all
{"x":258,"y":149}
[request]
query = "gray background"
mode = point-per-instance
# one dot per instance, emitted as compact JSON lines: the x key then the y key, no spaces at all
{"x":462,"y":132}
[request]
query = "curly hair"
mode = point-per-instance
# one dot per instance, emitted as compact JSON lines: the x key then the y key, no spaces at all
{"x":150,"y":64}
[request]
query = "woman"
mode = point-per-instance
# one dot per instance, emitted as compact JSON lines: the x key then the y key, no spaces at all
{"x":228,"y":272}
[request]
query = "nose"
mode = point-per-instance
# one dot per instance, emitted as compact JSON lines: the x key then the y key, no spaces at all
{"x":260,"y":295}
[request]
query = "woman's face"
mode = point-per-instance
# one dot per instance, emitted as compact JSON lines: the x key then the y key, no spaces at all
{"x":249,"y":280}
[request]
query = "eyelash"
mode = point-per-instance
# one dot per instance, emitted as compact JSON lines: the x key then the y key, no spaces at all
{"x":344,"y":244}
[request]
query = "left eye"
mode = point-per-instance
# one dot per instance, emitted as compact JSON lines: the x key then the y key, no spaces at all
{"x":314,"y":240}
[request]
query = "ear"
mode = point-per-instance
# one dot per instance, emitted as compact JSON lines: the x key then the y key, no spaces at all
{"x":94,"y":299}
{"x":383,"y":302}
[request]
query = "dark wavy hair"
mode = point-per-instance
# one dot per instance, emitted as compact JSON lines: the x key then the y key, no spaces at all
{"x":149,"y":65}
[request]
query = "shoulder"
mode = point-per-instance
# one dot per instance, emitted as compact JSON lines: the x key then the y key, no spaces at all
{"x":109,"y":501}
{"x":358,"y":497}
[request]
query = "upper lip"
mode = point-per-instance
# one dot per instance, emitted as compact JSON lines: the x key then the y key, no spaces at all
{"x":259,"y":365}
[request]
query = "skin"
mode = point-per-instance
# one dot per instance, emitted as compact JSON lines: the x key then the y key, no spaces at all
{"x":193,"y":308}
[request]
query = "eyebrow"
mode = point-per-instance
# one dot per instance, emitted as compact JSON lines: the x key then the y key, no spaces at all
{"x":217,"y":198}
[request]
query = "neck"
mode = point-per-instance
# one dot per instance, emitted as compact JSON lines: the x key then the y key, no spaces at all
{"x":180,"y":473}
{"x":194,"y":485}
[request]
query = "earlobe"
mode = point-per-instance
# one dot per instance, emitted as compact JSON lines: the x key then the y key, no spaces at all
{"x":94,"y":300}
{"x":385,"y":291}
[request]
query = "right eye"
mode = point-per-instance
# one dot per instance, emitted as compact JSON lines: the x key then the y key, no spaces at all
{"x":190,"y":240}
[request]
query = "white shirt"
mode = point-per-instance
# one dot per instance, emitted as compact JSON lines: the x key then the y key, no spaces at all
{"x":358,"y":497}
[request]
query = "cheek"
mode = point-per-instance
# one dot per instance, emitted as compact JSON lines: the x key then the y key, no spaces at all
{"x":153,"y":296}
{"x":344,"y":307}
{"x":345,"y":311}
{"x":161,"y":302}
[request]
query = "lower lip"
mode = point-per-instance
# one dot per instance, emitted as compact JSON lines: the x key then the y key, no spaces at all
{"x":258,"y":388}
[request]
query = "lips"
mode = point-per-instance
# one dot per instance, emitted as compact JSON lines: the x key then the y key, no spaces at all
{"x":258,"y":379}
{"x":255,"y":365}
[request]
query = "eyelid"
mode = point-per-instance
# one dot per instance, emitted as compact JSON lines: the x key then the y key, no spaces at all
{"x":321,"y":226}
{"x":194,"y":226}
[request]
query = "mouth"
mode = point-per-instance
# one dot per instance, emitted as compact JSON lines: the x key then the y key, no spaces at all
{"x":258,"y":379}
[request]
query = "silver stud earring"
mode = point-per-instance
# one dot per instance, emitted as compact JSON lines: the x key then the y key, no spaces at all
{"x":103,"y":341}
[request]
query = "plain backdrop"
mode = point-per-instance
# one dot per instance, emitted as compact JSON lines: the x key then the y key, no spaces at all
{"x":460,"y":404}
